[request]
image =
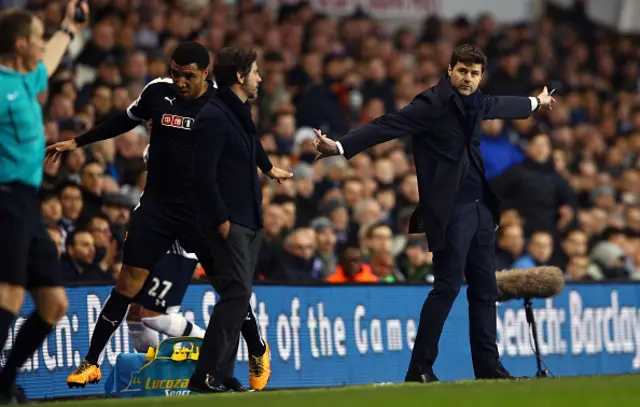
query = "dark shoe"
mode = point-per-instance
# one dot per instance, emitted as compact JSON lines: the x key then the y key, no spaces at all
{"x":498,"y":373}
{"x":14,"y":396}
{"x":18,"y":394}
{"x":416,"y":377}
{"x":206,"y":383}
{"x":6,"y":399}
{"x":234,"y":385}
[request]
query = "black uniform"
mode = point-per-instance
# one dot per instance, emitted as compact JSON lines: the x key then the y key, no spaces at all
{"x":167,"y":210}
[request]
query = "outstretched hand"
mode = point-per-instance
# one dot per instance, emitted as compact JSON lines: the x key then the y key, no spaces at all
{"x":54,"y":151}
{"x":279,"y":174}
{"x":545,"y":99}
{"x":325,"y":146}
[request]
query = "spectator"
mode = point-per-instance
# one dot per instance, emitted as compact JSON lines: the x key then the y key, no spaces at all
{"x":539,"y":251}
{"x":498,"y":151}
{"x":408,"y":196}
{"x":73,"y":163}
{"x":365,"y":213}
{"x":574,"y":243}
{"x":338,"y":213}
{"x":351,"y":267}
{"x":607,"y":262}
{"x":117,"y":207}
{"x":50,"y":207}
{"x":416,"y":262}
{"x":101,"y":100}
{"x":77,"y":262}
{"x":128,"y":160}
{"x":284,"y":127}
{"x":104,"y":152}
{"x":632,"y":218}
{"x":105,"y":246}
{"x":319,"y":106}
{"x":288,"y":206}
{"x":542,"y":197}
{"x":510,"y":244}
{"x":72,"y":205}
{"x":305,"y":204}
{"x":296,"y":262}
{"x":325,"y":247}
{"x":509,"y":78}
{"x":383,"y":266}
{"x":386,"y":197}
{"x":272,"y":238}
{"x":353,"y":192}
{"x":91,"y":184}
{"x":378,"y":238}
{"x":576,"y":269}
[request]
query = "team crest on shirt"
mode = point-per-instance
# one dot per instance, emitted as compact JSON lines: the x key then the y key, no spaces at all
{"x":179,"y":122}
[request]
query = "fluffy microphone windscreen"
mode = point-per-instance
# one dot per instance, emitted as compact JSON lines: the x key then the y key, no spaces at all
{"x":535,"y":282}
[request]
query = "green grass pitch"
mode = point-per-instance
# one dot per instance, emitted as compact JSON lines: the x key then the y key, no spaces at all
{"x":597,"y":391}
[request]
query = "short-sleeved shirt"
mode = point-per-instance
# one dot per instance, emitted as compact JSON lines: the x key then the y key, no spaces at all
{"x":22,"y":140}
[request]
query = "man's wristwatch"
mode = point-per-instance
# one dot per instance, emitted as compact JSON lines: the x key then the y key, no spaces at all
{"x":539,"y":104}
{"x":67,"y":31}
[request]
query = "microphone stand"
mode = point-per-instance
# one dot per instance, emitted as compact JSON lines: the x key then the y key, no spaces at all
{"x":528,"y":308}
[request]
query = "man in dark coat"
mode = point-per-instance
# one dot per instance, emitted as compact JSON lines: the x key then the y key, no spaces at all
{"x":458,"y":210}
{"x":226,"y":150}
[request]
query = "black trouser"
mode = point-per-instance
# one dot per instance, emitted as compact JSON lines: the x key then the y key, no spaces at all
{"x":28,"y":256}
{"x":234,"y":262}
{"x":469,"y":253}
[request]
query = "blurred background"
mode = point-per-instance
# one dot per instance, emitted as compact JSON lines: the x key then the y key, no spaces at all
{"x":570,"y":177}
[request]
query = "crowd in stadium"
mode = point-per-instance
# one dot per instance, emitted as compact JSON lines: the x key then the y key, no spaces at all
{"x":570,"y":178}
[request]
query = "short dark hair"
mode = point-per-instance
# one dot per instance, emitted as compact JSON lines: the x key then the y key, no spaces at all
{"x":14,"y":23}
{"x":351,"y":243}
{"x":100,"y":216}
{"x":229,"y":62}
{"x":95,"y":88}
{"x":88,"y":221}
{"x":71,"y":237}
{"x":468,"y":54}
{"x":191,"y":52}
{"x":67,"y":184}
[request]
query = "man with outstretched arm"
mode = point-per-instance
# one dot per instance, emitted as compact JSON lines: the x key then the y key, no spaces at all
{"x":458,"y":210}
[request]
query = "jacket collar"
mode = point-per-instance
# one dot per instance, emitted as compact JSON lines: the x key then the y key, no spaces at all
{"x":217,"y":101}
{"x":444,"y":89}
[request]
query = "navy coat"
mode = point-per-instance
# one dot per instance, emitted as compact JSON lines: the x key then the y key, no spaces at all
{"x":435,"y":121}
